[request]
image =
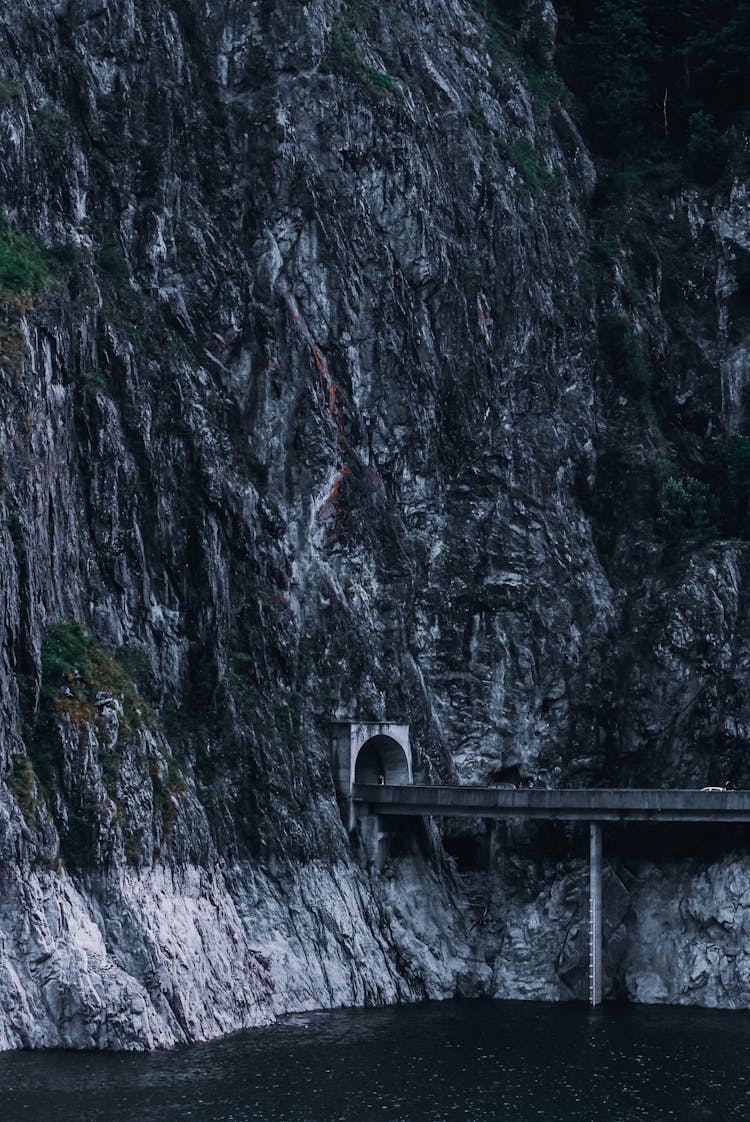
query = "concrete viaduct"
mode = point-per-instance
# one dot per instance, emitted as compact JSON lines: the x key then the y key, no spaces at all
{"x":372,"y":766}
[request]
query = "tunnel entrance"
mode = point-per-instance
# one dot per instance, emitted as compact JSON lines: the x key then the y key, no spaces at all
{"x":382,"y":759}
{"x":362,"y":752}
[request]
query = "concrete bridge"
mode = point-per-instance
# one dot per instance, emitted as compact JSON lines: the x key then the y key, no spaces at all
{"x":373,"y":776}
{"x":593,"y":804}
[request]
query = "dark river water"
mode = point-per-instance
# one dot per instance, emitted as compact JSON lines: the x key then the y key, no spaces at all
{"x":475,"y":1060}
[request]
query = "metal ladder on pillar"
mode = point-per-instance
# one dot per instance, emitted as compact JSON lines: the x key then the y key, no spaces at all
{"x":595,"y":914}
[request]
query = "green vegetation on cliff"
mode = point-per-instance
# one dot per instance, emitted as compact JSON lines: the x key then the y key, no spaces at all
{"x":28,"y":267}
{"x":660,"y":79}
{"x":713,"y":503}
{"x":75,"y":670}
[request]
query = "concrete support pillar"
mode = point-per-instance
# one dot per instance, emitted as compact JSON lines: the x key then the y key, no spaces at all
{"x":371,"y":835}
{"x":595,"y":914}
{"x":491,"y":845}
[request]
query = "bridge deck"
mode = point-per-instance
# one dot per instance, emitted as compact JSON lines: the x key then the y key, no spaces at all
{"x":587,"y":805}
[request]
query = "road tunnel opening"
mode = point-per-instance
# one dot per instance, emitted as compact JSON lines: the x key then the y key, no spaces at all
{"x":381,"y":759}
{"x":505,"y":775}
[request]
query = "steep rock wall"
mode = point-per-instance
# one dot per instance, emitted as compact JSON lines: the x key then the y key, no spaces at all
{"x":309,"y":419}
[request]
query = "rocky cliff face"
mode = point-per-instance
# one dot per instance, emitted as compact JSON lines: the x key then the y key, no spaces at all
{"x":320,"y":371}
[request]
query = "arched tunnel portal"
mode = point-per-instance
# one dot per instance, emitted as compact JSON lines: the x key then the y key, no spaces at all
{"x":381,"y":759}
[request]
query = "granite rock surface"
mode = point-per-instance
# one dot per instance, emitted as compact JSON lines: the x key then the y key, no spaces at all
{"x":310,"y":415}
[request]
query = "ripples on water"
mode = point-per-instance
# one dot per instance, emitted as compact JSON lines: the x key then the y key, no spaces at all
{"x":461,"y":1060}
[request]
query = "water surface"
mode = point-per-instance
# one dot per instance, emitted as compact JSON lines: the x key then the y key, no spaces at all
{"x":441,"y":1062}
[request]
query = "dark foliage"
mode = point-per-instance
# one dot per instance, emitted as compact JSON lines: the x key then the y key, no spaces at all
{"x":688,"y":510}
{"x":715,"y":505}
{"x":667,"y":77}
{"x":625,"y":355}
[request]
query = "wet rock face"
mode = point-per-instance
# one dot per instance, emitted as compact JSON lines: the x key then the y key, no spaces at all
{"x":308,"y":414}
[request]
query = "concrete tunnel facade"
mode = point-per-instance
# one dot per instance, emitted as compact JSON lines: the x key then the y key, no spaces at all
{"x":362,"y":752}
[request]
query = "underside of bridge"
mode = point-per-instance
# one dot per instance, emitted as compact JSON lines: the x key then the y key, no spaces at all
{"x":381,"y":799}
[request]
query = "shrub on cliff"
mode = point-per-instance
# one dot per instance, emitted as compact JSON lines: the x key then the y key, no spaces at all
{"x":730,"y":475}
{"x":28,"y":267}
{"x":23,"y":269}
{"x":623,"y":349}
{"x":688,"y":510}
{"x":75,"y":670}
{"x":707,"y":148}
